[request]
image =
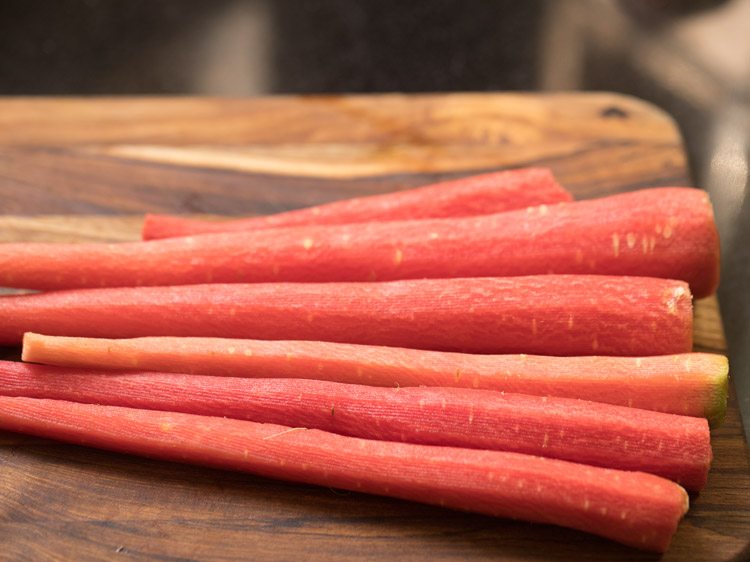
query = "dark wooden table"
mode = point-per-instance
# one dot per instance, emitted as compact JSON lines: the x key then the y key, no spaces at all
{"x":95,"y":164}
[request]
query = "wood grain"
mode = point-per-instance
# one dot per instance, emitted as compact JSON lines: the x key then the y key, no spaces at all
{"x":236,"y":156}
{"x":119,"y":157}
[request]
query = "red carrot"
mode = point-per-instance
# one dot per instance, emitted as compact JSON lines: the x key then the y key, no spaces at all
{"x":666,"y":232}
{"x":545,"y":314}
{"x":635,"y":508}
{"x":475,"y":195}
{"x":675,"y":447}
{"x":691,"y":384}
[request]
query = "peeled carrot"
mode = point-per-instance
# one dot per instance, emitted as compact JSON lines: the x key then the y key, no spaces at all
{"x":475,"y":195}
{"x":635,"y":508}
{"x":545,"y":314}
{"x":675,"y":447}
{"x":668,"y":232}
{"x":691,"y":384}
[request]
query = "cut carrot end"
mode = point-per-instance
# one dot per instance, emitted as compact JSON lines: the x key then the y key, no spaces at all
{"x":716,"y":408}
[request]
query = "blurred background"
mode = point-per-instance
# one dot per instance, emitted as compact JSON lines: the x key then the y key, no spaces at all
{"x":690,"y":57}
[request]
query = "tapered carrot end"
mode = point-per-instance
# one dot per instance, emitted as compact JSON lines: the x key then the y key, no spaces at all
{"x":156,"y":227}
{"x":151,"y":229}
{"x":31,"y":345}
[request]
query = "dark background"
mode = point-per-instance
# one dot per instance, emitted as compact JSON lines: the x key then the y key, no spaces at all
{"x":104,"y":47}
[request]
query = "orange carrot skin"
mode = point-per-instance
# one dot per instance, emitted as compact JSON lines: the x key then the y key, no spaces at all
{"x":690,"y":384}
{"x":545,"y":314}
{"x":484,"y":194}
{"x":634,"y":508}
{"x":675,"y":447}
{"x":667,"y":232}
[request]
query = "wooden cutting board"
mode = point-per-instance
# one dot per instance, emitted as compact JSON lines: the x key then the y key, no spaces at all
{"x":96,"y":164}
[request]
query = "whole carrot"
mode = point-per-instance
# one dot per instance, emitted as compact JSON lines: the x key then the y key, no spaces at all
{"x":544,"y":314}
{"x":691,"y":384}
{"x":474,"y":195}
{"x":675,"y":447}
{"x":634,"y":508}
{"x":667,"y":232}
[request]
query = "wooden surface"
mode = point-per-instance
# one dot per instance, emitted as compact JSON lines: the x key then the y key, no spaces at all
{"x":75,"y":158}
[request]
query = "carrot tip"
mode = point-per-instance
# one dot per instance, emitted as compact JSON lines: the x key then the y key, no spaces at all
{"x":29,"y":340}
